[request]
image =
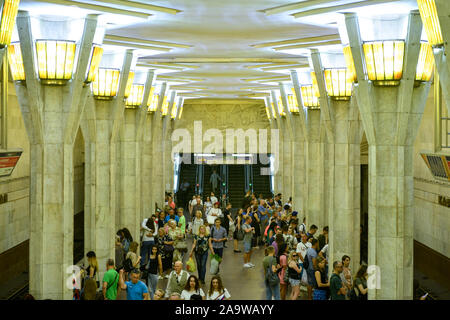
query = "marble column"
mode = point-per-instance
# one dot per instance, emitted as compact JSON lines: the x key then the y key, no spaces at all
{"x":278,"y":176}
{"x":146,"y":185}
{"x":391,"y":117}
{"x":158,"y":153}
{"x":100,"y":117}
{"x":314,"y":169}
{"x":344,"y":220}
{"x":52,"y":117}
{"x":300,"y":136}
{"x":131,"y":140}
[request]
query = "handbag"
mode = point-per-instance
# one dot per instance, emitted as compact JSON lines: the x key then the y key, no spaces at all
{"x":272,"y":277}
{"x":211,"y":219}
{"x":232,"y":227}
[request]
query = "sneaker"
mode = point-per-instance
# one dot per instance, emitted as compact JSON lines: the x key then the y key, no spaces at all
{"x":237,"y":251}
{"x":251,"y":265}
{"x":160,"y":278}
{"x":256,"y":247}
{"x":247,"y":265}
{"x":166,"y":276}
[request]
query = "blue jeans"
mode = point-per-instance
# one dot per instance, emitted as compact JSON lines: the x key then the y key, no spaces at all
{"x":272,"y":291}
{"x":201,"y":265}
{"x":218,"y":251}
{"x":146,"y":250}
{"x":152,"y":283}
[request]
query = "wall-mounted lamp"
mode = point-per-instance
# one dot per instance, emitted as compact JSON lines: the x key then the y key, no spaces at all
{"x":106,"y":83}
{"x":16,"y":62}
{"x":310,"y":99}
{"x":136,"y":96}
{"x":430,"y":21}
{"x":8,"y":15}
{"x":129,"y":84}
{"x":94,"y":62}
{"x":339,"y":83}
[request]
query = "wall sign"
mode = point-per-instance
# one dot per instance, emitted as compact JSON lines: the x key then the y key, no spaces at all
{"x":8,"y":161}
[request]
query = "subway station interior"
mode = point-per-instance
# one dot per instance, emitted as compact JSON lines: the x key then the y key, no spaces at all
{"x":340,"y":106}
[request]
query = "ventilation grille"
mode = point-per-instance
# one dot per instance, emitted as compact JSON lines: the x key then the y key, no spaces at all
{"x":439,"y":165}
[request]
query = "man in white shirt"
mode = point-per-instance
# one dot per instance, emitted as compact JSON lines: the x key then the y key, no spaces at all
{"x":177,"y":279}
{"x":303,"y":246}
{"x":148,"y":238}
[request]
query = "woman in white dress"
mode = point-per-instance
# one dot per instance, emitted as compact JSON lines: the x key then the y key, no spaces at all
{"x":192,"y":288}
{"x":214,"y":213}
{"x":208,"y":205}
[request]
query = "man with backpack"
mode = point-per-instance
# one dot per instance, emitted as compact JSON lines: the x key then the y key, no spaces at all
{"x":110,"y":281}
{"x":271,"y":279}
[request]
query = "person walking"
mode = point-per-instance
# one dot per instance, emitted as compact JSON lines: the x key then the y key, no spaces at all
{"x":217,"y":291}
{"x":360,"y":284}
{"x":154,"y":263}
{"x":346,"y":275}
{"x":200,"y":246}
{"x":271,"y":267}
{"x":110,"y":281}
{"x":311,"y":255}
{"x":178,"y":279}
{"x":218,"y":237}
{"x":192,"y":288}
{"x":282,"y":259}
{"x":149,"y":230}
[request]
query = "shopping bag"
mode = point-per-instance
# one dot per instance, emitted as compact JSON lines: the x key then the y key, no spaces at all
{"x":190,"y":265}
{"x":232,"y":227}
{"x":215,"y":261}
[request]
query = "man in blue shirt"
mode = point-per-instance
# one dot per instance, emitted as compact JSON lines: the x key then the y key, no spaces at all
{"x":263,"y":216}
{"x":311,"y":255}
{"x":173,"y":216}
{"x":218,"y":237}
{"x":136,"y":289}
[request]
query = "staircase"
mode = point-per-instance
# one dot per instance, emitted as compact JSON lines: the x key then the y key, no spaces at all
{"x":236,"y":185}
{"x":208,"y":170}
{"x":261,"y":183}
{"x":187,"y":173}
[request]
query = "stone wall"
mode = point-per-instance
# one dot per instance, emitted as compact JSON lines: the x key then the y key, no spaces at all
{"x":431,"y":220}
{"x":14,"y":214}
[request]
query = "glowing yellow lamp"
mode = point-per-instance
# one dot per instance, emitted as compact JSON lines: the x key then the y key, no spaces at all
{"x":339,"y":83}
{"x":273,"y":110}
{"x":268,"y":113}
{"x":384,"y":61}
{"x":293,"y":102}
{"x":430,"y":21}
{"x":310,"y":100}
{"x":180,"y":113}
{"x":425,"y":65}
{"x":16,"y":62}
{"x":350,"y":63}
{"x":136,"y":96}
{"x":105,"y":84}
{"x":129,"y":84}
{"x":281,"y":107}
{"x":165,"y":107}
{"x":154,"y":103}
{"x":94,"y":62}
{"x":315,"y":86}
{"x":55,"y":60}
{"x":173,"y":113}
{"x":8,"y":16}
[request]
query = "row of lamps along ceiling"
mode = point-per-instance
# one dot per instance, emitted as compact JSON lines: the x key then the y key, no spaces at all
{"x":383,"y":63}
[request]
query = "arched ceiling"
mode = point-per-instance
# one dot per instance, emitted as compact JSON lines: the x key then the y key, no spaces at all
{"x":216,"y":47}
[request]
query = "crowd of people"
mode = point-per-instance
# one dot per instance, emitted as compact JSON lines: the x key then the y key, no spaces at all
{"x":296,"y":258}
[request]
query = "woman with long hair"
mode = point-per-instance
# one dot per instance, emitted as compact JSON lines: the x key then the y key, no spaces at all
{"x":279,"y":240}
{"x":127,"y":239}
{"x":154,"y":263}
{"x":283,"y":252}
{"x":165,"y":248}
{"x":321,"y":285}
{"x":295,"y":274}
{"x":217,"y":291}
{"x":238,"y":221}
{"x":192,"y":288}
{"x":133,"y":255}
{"x":360,"y":283}
{"x":92,"y":268}
{"x":200,"y":246}
{"x":207,"y":205}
